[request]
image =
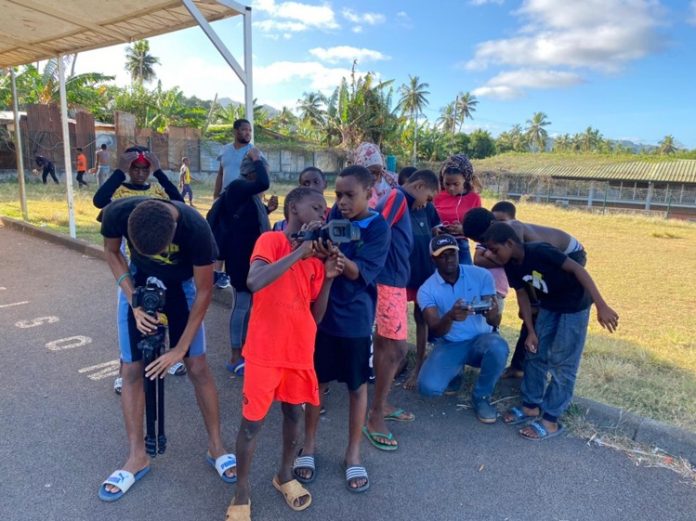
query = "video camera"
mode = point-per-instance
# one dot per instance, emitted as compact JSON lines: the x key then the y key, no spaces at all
{"x":338,"y":231}
{"x":150,"y":297}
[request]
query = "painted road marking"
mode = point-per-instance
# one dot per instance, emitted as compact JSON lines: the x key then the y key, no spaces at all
{"x":14,"y":304}
{"x":71,"y":342}
{"x":24,"y":324}
{"x":101,"y":371}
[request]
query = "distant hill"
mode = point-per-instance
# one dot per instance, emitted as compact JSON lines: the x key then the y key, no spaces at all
{"x":225,"y":102}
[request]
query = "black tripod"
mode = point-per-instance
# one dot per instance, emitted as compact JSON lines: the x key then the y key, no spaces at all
{"x":152,"y":346}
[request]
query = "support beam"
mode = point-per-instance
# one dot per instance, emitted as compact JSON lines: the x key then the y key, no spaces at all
{"x":248,"y":84}
{"x":18,"y":149}
{"x":648,"y":198}
{"x":215,"y":39}
{"x":66,"y":147}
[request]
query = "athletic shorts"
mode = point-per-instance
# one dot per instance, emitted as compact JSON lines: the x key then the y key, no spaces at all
{"x":342,"y":359}
{"x":178,"y":302}
{"x":392,"y":312}
{"x":263,"y":385}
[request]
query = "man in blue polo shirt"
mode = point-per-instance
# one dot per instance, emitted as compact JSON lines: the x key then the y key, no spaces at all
{"x":465,"y":335}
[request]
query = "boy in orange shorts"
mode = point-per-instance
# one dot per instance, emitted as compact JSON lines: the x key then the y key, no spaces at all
{"x":291,"y":289}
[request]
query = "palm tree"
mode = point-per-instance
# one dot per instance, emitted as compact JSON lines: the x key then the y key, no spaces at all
{"x":311,"y":108}
{"x":448,"y":118}
{"x":140,"y":63}
{"x":413,"y":100}
{"x":465,"y":105}
{"x":536,"y":133}
{"x":667,"y":145}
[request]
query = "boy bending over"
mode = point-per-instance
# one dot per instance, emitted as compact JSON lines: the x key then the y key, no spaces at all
{"x":555,"y":343}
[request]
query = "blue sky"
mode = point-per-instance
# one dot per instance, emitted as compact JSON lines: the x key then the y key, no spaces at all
{"x":626,"y":67}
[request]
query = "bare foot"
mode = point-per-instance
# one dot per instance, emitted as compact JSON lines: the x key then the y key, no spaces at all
{"x":411,"y":382}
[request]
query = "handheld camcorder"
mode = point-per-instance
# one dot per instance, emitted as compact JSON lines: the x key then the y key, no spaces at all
{"x":338,"y":231}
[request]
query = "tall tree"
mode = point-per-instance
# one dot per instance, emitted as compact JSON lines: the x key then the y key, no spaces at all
{"x":535,"y":131}
{"x":667,"y":145}
{"x":311,"y":108}
{"x":140,"y":63}
{"x":465,"y":105}
{"x":448,"y":118}
{"x":413,"y":99}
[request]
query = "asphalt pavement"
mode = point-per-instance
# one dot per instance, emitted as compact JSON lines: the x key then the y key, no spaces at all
{"x":61,"y":432}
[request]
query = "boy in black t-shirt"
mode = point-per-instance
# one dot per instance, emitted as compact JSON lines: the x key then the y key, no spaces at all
{"x":555,"y":342}
{"x":172,"y":242}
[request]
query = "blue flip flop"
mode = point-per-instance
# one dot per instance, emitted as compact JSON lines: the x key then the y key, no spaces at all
{"x":222,"y":464}
{"x":122,"y":479}
{"x":542,"y":432}
{"x":518,"y":415}
{"x":236,"y":368}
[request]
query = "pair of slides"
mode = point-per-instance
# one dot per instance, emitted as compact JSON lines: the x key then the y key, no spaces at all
{"x":291,"y":491}
{"x":516,"y":416}
{"x":352,"y":473}
{"x":124,"y":480}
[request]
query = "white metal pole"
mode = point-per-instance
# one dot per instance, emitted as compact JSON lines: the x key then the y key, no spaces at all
{"x":66,"y":148}
{"x":18,"y":149}
{"x":249,"y":83}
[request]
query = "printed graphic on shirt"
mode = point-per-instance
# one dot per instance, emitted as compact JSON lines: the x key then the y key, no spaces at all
{"x":170,"y":257}
{"x":536,"y":280}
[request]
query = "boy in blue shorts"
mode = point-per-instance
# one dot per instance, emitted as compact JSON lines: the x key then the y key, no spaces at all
{"x":555,"y":342}
{"x":342,"y":349}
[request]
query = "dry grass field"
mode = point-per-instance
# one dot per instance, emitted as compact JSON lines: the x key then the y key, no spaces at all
{"x":644,"y":267}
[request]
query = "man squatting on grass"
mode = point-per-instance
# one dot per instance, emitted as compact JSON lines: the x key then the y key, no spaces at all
{"x":555,"y":343}
{"x":291,"y":288}
{"x":172,"y":242}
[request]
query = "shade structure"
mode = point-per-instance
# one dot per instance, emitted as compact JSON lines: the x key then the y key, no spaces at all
{"x":34,"y":30}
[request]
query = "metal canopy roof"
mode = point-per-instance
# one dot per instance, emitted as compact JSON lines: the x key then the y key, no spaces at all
{"x":34,"y":30}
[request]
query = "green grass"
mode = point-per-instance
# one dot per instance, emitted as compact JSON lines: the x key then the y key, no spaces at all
{"x":643,"y":266}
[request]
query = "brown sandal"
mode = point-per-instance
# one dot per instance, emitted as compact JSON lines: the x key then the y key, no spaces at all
{"x":238,"y":512}
{"x":292,"y":491}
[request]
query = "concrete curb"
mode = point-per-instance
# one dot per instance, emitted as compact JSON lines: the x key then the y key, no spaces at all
{"x":675,"y":441}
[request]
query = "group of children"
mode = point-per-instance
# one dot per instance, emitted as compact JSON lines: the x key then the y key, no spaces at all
{"x":321,"y":311}
{"x":356,"y":294}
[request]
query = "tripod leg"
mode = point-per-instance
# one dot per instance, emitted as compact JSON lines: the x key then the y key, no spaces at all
{"x":150,"y":414}
{"x":161,"y":438}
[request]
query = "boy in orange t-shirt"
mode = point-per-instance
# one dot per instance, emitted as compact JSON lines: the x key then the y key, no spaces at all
{"x":81,"y":167}
{"x":291,"y":289}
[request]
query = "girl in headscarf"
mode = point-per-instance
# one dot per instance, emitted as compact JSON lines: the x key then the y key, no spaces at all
{"x":458,"y":195}
{"x":369,"y":156}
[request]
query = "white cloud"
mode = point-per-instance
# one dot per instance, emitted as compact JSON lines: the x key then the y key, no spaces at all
{"x":316,"y":75}
{"x":270,"y":26}
{"x":692,"y":12}
{"x":404,"y":20}
{"x":357,"y":29}
{"x":293,"y":17}
{"x":363,"y":18}
{"x":346,"y":53}
{"x":511,"y":84}
{"x":599,"y":35}
{"x":595,"y":34}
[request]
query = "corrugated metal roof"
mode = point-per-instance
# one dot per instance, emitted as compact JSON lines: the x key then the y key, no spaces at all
{"x":36,"y":30}
{"x":678,"y":171}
